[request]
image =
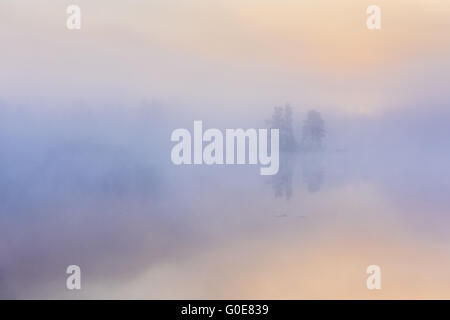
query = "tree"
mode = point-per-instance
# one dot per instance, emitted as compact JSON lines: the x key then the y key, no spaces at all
{"x":282,"y":120}
{"x":313,"y":131}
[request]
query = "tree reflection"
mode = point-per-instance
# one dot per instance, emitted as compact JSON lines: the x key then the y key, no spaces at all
{"x":308,"y":154}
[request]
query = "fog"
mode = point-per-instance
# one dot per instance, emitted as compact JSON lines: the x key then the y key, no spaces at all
{"x":95,"y":185}
{"x":86,"y":176}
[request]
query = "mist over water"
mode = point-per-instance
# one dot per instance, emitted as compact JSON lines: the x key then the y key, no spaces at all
{"x":86,"y":176}
{"x":95,"y":186}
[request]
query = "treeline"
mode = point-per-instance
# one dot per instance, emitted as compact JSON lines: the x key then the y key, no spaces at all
{"x":312,"y":130}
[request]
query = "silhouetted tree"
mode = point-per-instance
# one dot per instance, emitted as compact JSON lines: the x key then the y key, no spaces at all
{"x":282,"y":120}
{"x":313,"y":131}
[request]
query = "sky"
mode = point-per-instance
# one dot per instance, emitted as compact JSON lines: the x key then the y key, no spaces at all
{"x":228,"y":55}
